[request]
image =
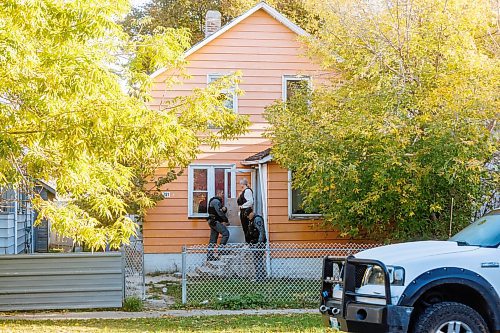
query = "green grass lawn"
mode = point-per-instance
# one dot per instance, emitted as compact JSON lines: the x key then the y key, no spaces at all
{"x":256,"y":324}
{"x":242,"y":293}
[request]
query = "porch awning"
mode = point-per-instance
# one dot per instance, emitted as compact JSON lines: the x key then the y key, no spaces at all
{"x":259,"y":158}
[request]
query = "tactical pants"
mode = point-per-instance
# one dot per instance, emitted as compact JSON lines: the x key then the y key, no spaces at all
{"x":258,"y":252}
{"x":244,"y":223}
{"x":216,"y":229}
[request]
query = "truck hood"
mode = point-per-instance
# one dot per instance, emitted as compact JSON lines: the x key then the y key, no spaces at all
{"x":406,"y":252}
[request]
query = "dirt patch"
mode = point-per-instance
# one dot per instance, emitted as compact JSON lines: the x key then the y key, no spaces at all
{"x":162,"y":291}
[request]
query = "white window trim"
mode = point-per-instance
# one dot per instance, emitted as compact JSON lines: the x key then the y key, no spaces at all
{"x":231,"y":90}
{"x":293,"y":77}
{"x":210,"y":186}
{"x":290,"y":208}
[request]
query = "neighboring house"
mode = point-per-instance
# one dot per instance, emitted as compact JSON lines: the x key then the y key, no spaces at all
{"x":17,"y":231}
{"x":265,"y":47}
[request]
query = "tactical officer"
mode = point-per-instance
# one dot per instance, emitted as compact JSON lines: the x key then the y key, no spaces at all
{"x":217,"y":220}
{"x":245,"y":202}
{"x":257,"y":238}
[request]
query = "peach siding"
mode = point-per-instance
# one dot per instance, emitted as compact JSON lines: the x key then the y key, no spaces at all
{"x":264,"y":50}
{"x":281,"y":228}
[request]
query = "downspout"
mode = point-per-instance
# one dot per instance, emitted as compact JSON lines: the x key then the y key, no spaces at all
{"x":263,"y":194}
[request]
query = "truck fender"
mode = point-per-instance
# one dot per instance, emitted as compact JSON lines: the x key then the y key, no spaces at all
{"x":453,"y":275}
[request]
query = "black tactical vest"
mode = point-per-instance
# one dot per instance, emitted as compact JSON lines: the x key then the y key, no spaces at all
{"x":241,"y":199}
{"x":211,"y":209}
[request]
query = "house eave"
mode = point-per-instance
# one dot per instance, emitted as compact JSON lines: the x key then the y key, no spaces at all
{"x":264,"y":160}
{"x":48,"y":186}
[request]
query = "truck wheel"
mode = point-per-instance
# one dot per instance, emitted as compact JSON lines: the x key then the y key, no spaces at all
{"x":450,"y":317}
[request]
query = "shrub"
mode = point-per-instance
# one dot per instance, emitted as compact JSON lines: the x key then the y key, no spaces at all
{"x":133,"y":304}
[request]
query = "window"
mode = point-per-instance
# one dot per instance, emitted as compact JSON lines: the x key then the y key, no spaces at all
{"x":205,"y":182}
{"x":294,"y":83}
{"x":295,"y":200}
{"x":7,"y":199}
{"x":231,"y":101}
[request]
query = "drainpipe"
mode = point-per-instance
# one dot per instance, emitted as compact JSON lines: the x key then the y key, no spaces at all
{"x":263,"y":194}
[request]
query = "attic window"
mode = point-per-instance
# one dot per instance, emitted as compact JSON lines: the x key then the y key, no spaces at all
{"x":231,"y":101}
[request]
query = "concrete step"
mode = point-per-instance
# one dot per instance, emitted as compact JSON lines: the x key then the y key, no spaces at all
{"x":215,"y":270}
{"x":227,"y":257}
{"x":204,"y":271}
{"x":216,"y":264}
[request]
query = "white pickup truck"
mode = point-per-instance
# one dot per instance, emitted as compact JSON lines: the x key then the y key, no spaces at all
{"x":420,"y":287}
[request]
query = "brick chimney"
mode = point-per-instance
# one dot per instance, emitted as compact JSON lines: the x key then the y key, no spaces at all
{"x":212,"y":22}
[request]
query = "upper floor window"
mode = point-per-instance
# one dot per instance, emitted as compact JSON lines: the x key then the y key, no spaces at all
{"x":231,"y":99}
{"x":292,"y":84}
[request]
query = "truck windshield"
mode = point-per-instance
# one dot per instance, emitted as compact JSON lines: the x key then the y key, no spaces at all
{"x":483,"y":232}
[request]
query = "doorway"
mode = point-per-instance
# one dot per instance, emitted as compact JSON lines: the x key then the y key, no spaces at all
{"x":232,"y":179}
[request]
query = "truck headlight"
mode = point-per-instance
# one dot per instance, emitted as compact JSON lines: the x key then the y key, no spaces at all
{"x":396,"y":275}
{"x":374,"y":275}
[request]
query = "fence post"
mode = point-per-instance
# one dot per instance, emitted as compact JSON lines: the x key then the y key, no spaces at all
{"x":184,"y":281}
{"x":269,"y":273}
{"x":124,"y":275}
{"x":141,"y":245}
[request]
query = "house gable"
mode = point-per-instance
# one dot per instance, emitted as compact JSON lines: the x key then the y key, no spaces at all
{"x":261,"y":6}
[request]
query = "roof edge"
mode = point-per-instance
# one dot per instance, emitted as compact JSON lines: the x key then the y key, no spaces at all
{"x":264,"y":160}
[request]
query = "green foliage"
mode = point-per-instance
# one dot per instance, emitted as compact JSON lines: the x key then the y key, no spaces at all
{"x":133,"y":304}
{"x":247,"y":301}
{"x":256,"y":301}
{"x":407,"y":125}
{"x":237,"y":302}
{"x":173,"y":14}
{"x":66,"y":115}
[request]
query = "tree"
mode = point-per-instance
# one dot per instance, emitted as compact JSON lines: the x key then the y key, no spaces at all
{"x":191,"y":14}
{"x":174,"y":14}
{"x":402,"y":137}
{"x":67,"y":115}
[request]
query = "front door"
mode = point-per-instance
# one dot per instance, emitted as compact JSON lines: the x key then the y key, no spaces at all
{"x":231,"y":192}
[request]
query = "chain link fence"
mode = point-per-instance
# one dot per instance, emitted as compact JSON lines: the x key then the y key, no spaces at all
{"x":133,"y":268}
{"x":276,"y":274}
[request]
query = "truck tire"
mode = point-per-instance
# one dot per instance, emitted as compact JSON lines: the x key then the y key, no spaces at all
{"x":450,"y":317}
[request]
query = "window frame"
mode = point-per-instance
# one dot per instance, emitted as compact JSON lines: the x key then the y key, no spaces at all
{"x":232,"y":90}
{"x":291,"y":215}
{"x":293,"y":77}
{"x":210,"y":186}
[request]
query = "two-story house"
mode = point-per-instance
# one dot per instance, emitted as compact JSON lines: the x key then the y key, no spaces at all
{"x":266,"y":48}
